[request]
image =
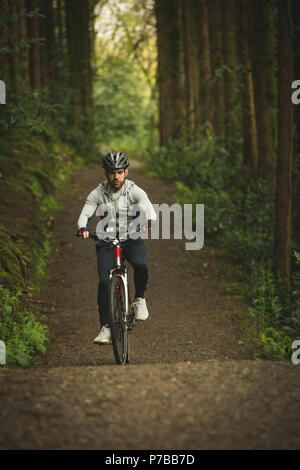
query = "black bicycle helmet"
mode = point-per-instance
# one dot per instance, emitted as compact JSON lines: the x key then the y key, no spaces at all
{"x":115,"y":160}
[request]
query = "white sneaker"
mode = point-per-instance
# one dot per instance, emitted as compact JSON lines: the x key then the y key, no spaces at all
{"x":140,"y":309}
{"x":104,"y":337}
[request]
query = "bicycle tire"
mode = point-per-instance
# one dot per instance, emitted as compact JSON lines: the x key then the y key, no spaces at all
{"x":117,"y":310}
{"x":128,"y":348}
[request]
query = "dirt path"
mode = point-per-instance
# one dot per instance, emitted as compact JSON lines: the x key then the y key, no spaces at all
{"x":189,"y":385}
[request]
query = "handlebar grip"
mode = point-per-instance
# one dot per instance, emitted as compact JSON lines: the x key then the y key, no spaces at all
{"x":94,"y":236}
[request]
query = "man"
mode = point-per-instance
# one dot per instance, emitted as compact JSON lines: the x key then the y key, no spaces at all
{"x":117,"y":195}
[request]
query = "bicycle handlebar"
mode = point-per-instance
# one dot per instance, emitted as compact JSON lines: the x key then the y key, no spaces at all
{"x":95,"y":237}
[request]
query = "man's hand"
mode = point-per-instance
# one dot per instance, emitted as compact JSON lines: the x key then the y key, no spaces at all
{"x":83,"y":232}
{"x":148,"y":226}
{"x":151,"y":224}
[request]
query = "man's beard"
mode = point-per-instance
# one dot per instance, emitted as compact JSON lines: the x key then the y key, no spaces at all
{"x":111,"y":184}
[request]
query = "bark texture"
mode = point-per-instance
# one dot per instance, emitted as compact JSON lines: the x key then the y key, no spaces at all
{"x":284,"y":160}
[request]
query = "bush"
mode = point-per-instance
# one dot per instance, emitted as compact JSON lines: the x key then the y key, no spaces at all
{"x":22,"y":334}
{"x":276,"y":344}
{"x":34,"y":163}
{"x":11,"y":267}
{"x":239,"y":218}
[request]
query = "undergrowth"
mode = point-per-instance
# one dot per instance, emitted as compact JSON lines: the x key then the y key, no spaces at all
{"x":35,"y":163}
{"x":22,"y":334}
{"x":239,"y":220}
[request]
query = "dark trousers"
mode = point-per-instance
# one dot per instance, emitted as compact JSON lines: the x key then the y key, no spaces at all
{"x":135,"y":253}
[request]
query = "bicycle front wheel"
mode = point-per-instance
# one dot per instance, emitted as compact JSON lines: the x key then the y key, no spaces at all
{"x":118,"y":323}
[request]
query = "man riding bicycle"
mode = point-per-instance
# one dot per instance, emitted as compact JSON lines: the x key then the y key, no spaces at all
{"x":117,"y":195}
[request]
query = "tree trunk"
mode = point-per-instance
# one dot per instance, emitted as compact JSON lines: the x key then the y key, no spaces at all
{"x":217,"y":60}
{"x":79,"y":52}
{"x":170,"y":69}
{"x":206,"y":93}
{"x":34,"y":51}
{"x":187,"y":61}
{"x":86,"y":56}
{"x":296,"y":39}
{"x":194,"y":64}
{"x":249,"y":118}
{"x":59,"y":22}
{"x":161,"y":24}
{"x":4,"y":63}
{"x":265,"y":87}
{"x":282,"y":252}
{"x":230,"y":74}
{"x":295,"y":5}
{"x":47,"y":53}
{"x":14,"y":57}
{"x":23,"y":38}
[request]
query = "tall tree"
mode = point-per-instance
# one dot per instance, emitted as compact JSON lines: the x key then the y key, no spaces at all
{"x":14,"y":44}
{"x":170,"y":69}
{"x":296,"y":39}
{"x":23,"y":41}
{"x":230,"y":72}
{"x":249,"y":115}
{"x":282,"y":253}
{"x":34,"y":51}
{"x":59,"y":21}
{"x":217,"y":61}
{"x":47,"y":51}
{"x":4,"y":9}
{"x":188,"y":65}
{"x":206,"y":80}
{"x":265,"y":85}
{"x":295,"y":5}
{"x":79,"y":54}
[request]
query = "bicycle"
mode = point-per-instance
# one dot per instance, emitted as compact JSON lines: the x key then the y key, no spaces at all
{"x":121,"y":313}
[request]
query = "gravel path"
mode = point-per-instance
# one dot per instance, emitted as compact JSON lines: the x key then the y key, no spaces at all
{"x":190,"y":385}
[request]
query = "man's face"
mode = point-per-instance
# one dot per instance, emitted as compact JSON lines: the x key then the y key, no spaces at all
{"x":116,"y":178}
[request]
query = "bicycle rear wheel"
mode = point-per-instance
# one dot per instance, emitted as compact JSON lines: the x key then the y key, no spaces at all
{"x":118,"y":324}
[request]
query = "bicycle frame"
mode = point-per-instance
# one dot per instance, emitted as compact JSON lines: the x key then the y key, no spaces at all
{"x":121,"y":271}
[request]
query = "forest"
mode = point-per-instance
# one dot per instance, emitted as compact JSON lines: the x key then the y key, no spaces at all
{"x":202,"y":92}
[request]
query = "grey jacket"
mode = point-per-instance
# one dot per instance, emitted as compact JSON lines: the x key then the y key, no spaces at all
{"x":119,"y":203}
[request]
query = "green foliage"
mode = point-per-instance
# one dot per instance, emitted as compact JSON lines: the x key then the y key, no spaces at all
{"x":6,"y":19}
{"x":126,"y":80}
{"x":250,"y":222}
{"x":266,"y":306}
{"x":203,"y":170}
{"x":30,"y":110}
{"x":276,"y":344}
{"x":39,"y":147}
{"x":23,"y":336}
{"x":239,"y":219}
{"x":10,"y":264}
{"x":119,"y":102}
{"x":34,"y":164}
{"x":269,"y":313}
